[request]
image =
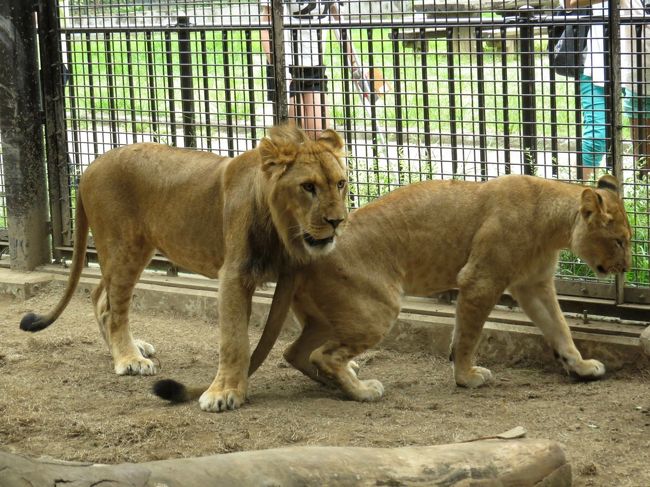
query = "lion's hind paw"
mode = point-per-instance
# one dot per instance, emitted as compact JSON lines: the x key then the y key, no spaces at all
{"x":370,"y":390}
{"x":474,"y":377}
{"x":587,"y":370}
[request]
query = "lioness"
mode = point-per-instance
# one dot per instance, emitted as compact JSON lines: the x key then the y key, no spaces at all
{"x":247,"y":220}
{"x":481,"y":238}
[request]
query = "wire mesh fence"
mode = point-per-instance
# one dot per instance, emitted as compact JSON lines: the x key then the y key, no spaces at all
{"x":419,"y":89}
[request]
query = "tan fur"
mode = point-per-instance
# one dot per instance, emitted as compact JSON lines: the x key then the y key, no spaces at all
{"x":481,"y":238}
{"x":244,"y":220}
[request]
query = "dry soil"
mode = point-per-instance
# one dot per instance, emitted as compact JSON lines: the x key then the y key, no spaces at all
{"x":59,"y":397}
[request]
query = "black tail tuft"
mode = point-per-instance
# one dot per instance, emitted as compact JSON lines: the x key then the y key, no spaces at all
{"x":33,"y":322}
{"x":170,"y":390}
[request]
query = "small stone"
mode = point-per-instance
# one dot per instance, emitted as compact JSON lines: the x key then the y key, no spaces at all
{"x":645,"y":341}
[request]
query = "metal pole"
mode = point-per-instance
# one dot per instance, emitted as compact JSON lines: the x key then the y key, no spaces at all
{"x":22,"y":137}
{"x":277,"y":46}
{"x":617,"y":129}
{"x":527,"y":69}
{"x":187,"y":89}
{"x":56,"y":145}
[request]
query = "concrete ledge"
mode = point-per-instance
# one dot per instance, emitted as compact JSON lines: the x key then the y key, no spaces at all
{"x":424,"y":325}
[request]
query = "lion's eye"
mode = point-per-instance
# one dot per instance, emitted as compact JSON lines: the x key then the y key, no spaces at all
{"x":620,"y":243}
{"x":309,"y":187}
{"x":341,"y":184}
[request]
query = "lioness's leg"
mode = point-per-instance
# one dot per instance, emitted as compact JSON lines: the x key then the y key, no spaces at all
{"x":475,"y":301}
{"x":539,"y":301}
{"x":228,"y":390}
{"x":313,"y":335}
{"x":121,"y":269}
{"x":333,"y":359}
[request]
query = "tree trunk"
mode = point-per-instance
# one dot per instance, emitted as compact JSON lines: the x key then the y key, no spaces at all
{"x":485,"y":463}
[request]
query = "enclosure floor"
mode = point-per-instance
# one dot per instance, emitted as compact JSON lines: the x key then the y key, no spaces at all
{"x":60,"y":398}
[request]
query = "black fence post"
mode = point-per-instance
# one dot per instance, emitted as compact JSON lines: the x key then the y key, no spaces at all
{"x":22,"y":137}
{"x":187,"y":93}
{"x":56,"y":139}
{"x":281,"y":105}
{"x":527,"y":70}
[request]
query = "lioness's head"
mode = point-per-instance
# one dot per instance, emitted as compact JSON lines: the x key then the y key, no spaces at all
{"x":306,"y":187}
{"x":601,"y":237}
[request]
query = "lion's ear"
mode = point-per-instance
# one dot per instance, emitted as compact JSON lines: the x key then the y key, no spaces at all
{"x":609,"y":182}
{"x":332,"y":140}
{"x":276,"y":155}
{"x":591,"y":205}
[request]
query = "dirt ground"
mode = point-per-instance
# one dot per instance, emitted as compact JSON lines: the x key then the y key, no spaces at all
{"x":59,"y":397}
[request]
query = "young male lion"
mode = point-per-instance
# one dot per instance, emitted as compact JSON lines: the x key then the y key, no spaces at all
{"x":481,"y":238}
{"x":246,"y":220}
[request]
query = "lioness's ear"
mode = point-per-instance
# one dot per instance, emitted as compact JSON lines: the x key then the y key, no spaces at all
{"x":609,"y":182}
{"x":333,"y":141}
{"x":591,"y":204}
{"x":275,"y":155}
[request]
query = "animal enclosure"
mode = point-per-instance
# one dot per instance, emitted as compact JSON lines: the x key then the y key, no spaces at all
{"x":420,"y":90}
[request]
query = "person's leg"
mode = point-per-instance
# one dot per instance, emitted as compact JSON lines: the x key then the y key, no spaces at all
{"x":637,"y":109}
{"x":314,"y":114}
{"x":594,"y":141}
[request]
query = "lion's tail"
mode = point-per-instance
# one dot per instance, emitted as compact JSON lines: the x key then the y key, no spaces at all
{"x":175,"y":392}
{"x":33,"y":322}
{"x":282,"y":298}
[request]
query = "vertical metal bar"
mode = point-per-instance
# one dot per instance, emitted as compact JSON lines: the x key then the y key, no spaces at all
{"x":111,"y":88}
{"x":187,"y":90}
{"x":151,"y":82}
{"x":74,"y":117}
{"x":170,"y":86}
{"x":482,"y":123}
{"x":424,"y":74}
{"x":206,"y":90}
{"x":281,"y":103}
{"x":229,"y":94}
{"x":56,"y":141}
{"x":91,"y":93}
{"x":554,"y":122}
{"x":399,"y":103}
{"x":505,"y":99}
{"x":132,"y":98}
{"x":617,"y":132}
{"x":578,"y":103}
{"x":347,"y":120}
{"x":451,"y":83}
{"x":527,"y":70}
{"x":22,"y":141}
{"x":251,"y":85}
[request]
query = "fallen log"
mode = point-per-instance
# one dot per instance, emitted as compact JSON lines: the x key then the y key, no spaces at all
{"x":485,"y":463}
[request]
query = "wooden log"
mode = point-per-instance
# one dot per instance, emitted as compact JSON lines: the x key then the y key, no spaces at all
{"x":486,"y":463}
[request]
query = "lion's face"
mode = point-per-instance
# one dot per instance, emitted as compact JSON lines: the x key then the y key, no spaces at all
{"x":602,"y":235}
{"x":308,"y":189}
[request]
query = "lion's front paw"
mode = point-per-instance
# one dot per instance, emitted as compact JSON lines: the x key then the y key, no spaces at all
{"x":135,"y":366}
{"x":217,"y":401}
{"x":588,"y":370}
{"x":474,"y":377}
{"x":146,"y":349}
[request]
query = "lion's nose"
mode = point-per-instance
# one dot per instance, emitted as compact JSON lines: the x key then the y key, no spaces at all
{"x":335,"y":222}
